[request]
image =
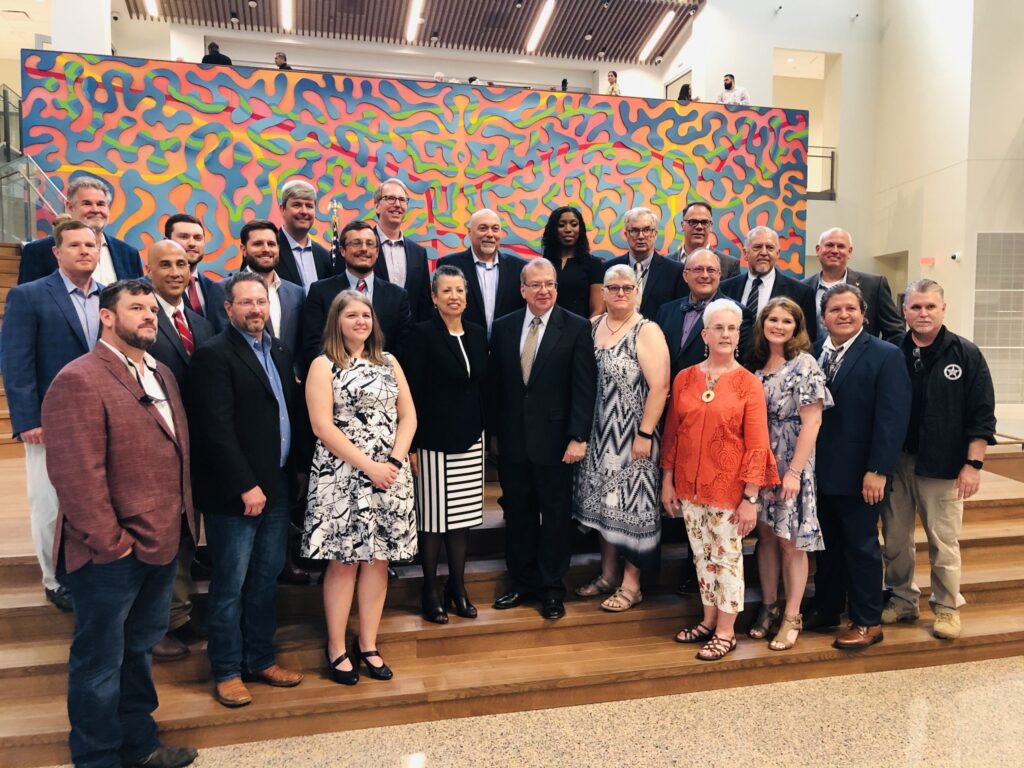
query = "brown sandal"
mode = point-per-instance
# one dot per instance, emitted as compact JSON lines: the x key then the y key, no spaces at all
{"x":697,"y":634}
{"x":595,"y":587}
{"x":767,"y":617}
{"x":716,"y":648}
{"x":622,"y":600}
{"x":789,"y":624}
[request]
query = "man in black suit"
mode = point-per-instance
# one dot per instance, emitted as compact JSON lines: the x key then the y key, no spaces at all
{"x":763,"y":281}
{"x":543,"y":384}
{"x":492,"y":276}
{"x":390,"y":303}
{"x":179,"y":332}
{"x":401,"y":261}
{"x":660,"y":280}
{"x":214,"y":56}
{"x":250,"y":427}
{"x":204,"y":296}
{"x":834,"y":249}
{"x":858,"y":451}
{"x":303,"y":261}
{"x":697,"y":223}
{"x":89,"y":201}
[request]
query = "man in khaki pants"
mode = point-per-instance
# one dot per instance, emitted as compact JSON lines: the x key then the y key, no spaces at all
{"x":952,"y":420}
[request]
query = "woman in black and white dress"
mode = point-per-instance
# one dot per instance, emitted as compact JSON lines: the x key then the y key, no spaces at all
{"x":446,"y":361}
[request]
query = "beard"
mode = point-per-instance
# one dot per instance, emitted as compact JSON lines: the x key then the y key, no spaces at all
{"x":132,"y":338}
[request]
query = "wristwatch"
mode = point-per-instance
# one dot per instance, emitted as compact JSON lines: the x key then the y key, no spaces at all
{"x":977,"y":464}
{"x":751,"y":499}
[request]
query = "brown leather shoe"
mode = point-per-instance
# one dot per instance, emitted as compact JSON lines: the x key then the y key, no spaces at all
{"x":169,"y":648}
{"x":274,"y":675}
{"x":232,"y":693}
{"x":859,"y":637}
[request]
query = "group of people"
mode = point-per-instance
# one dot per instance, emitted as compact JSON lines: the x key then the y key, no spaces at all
{"x":353,"y":398}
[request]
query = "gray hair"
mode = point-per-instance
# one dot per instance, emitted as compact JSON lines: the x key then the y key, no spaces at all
{"x":699,"y":251}
{"x":297,"y":190}
{"x":924,"y":285}
{"x":830,"y":230}
{"x":722,"y":305}
{"x":378,"y":193}
{"x":241,"y":277}
{"x":635,"y":213}
{"x":760,"y":231}
{"x":89,"y":182}
{"x":533,"y":265}
{"x":446,"y":270}
{"x":619,"y":270}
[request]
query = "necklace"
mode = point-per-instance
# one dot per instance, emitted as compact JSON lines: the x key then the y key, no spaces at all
{"x":609,"y":327}
{"x":710,"y":382}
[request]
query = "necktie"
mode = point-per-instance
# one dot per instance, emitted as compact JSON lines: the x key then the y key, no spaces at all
{"x":529,"y":348}
{"x":755,"y":289}
{"x":193,"y":297}
{"x":639,"y":269}
{"x":831,"y":357}
{"x":690,"y":318}
{"x":186,"y":335}
{"x":361,"y":286}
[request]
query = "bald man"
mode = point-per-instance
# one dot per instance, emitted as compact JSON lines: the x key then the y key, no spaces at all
{"x":492,"y":275}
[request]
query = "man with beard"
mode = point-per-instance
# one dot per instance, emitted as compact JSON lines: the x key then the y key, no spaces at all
{"x":732,"y":93}
{"x":203,"y":295}
{"x":121,"y":473}
{"x":697,"y":224}
{"x":303,"y":262}
{"x":401,"y":261}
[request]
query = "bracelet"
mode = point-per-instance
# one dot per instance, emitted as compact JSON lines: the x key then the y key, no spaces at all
{"x":394,"y":462}
{"x":794,"y":473}
{"x":644,"y":435}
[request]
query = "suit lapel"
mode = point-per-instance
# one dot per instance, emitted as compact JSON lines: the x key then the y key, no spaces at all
{"x":852,"y":277}
{"x":552,"y":334}
{"x":166,"y":327}
{"x":451,"y":346}
{"x":248,"y":356}
{"x":63,"y":301}
{"x":119,"y":370}
{"x":850,"y":359}
{"x":469,"y":270}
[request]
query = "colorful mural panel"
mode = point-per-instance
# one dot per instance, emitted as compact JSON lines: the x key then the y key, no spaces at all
{"x":219,"y":141}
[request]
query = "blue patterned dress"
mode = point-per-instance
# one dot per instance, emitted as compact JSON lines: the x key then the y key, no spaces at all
{"x":797,"y":383}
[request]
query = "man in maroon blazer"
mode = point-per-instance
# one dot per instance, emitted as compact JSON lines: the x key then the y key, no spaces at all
{"x":119,"y":462}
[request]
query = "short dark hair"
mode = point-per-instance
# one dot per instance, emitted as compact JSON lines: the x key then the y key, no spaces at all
{"x":446,"y":270}
{"x":180,"y":218}
{"x":110,"y":295}
{"x":729,"y":74}
{"x":252,"y":226}
{"x":353,"y":226}
{"x":241,"y":277}
{"x":67,"y":226}
{"x":613,"y":72}
{"x":701,"y":204}
{"x":835,"y":290}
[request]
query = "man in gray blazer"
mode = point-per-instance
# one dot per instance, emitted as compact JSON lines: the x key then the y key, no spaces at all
{"x":697,"y":224}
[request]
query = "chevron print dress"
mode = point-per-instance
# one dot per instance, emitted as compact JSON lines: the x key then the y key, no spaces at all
{"x":614,"y":495}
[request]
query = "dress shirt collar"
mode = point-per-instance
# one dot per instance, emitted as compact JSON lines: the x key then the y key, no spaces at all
{"x":646,"y":263}
{"x":272,"y":284}
{"x":94,"y":287}
{"x":823,"y":284}
{"x":543,"y":318}
{"x":167,"y":307}
{"x":147,"y":359}
{"x":260,"y":345}
{"x":400,"y":240}
{"x":354,"y":279}
{"x":486,"y":264}
{"x":844,"y":347}
{"x":295,"y":243}
{"x":767,"y":281}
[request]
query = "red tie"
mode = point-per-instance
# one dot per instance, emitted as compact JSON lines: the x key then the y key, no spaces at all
{"x":186,"y":335}
{"x":193,"y":297}
{"x":361,"y":286}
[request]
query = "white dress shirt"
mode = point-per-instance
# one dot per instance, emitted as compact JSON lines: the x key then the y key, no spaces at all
{"x":169,"y":310}
{"x":764,"y":293}
{"x":394,"y":257}
{"x":487,"y":276}
{"x":822,"y":287}
{"x":842,"y":348}
{"x":105,"y":274}
{"x":540,"y":331}
{"x":150,"y":383}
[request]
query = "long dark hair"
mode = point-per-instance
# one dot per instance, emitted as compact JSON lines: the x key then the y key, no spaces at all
{"x":552,"y":249}
{"x":799,"y":342}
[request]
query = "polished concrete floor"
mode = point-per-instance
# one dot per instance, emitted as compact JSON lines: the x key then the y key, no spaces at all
{"x":959,"y":715}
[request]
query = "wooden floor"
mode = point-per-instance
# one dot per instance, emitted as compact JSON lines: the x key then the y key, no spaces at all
{"x":503,"y":661}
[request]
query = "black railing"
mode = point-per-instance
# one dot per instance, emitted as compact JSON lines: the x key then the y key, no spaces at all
{"x":10,"y":102}
{"x":821,"y":173}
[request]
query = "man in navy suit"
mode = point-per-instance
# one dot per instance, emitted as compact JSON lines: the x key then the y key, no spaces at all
{"x":48,"y":323}
{"x":660,"y":280}
{"x":763,"y":282}
{"x":179,"y":332}
{"x":858,"y":452}
{"x":88,"y":201}
{"x":401,"y":261}
{"x":697,"y":223}
{"x":834,"y":249}
{"x":492,"y":276}
{"x":203,"y":295}
{"x":390,"y":303}
{"x":303,"y":261}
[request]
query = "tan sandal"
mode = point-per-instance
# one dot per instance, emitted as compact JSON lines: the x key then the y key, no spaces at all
{"x":622,"y":600}
{"x":767,"y":618}
{"x":594,"y":588}
{"x":789,"y":624}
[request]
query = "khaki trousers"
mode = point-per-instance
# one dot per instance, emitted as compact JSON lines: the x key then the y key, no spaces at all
{"x":181,"y":592}
{"x":42,"y":505}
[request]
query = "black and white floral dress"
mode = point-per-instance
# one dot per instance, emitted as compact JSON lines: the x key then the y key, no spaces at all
{"x":347,"y":518}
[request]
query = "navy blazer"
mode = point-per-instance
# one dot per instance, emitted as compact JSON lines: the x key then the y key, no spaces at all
{"x":508,"y":299}
{"x":783,"y":286}
{"x":288,"y":270}
{"x":390,"y":304}
{"x":41,"y":334}
{"x":865,"y":429}
{"x":37,"y":259}
{"x":662,"y":284}
{"x":683,"y":355}
{"x":882,"y":318}
{"x":213,"y":292}
{"x":417,"y":277}
{"x":168,"y":348}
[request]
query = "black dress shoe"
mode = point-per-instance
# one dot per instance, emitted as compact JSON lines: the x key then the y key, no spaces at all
{"x":341,"y":676}
{"x":690,"y":587}
{"x":61,"y":597}
{"x":512,"y":599}
{"x":431,"y":608}
{"x":383,"y":672}
{"x":553,"y":608}
{"x":166,"y":757}
{"x":816,"y":622}
{"x":459,"y":603}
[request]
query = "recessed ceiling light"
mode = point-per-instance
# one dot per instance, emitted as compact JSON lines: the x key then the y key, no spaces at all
{"x":589,"y":36}
{"x":253,"y":3}
{"x":434,"y":37}
{"x":601,"y":54}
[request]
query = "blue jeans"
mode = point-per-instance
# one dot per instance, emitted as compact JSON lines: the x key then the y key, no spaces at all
{"x":121,"y":611}
{"x":248,"y":554}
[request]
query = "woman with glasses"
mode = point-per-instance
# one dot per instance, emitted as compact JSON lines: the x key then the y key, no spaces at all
{"x":787,"y":519}
{"x":617,"y":481}
{"x":715,"y":459}
{"x":565,"y":244}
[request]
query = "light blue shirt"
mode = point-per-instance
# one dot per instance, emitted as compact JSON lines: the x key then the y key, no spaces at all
{"x":87,"y":307}
{"x":303,"y":259}
{"x":354,"y":280}
{"x":261,"y":348}
{"x":487,"y":276}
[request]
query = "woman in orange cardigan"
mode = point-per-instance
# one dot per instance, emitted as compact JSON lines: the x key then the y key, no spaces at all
{"x":715,"y":458}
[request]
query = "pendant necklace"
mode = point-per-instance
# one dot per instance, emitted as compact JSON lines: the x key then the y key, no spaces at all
{"x":710,"y":383}
{"x":609,"y":326}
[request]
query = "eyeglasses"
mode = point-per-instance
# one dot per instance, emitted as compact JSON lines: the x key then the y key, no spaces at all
{"x":248,"y":303}
{"x":368,"y":244}
{"x":718,"y":328}
{"x":392,"y":199}
{"x":626,"y":290}
{"x":918,"y":362}
{"x":637,"y":231}
{"x":703,"y":270}
{"x":698,"y":222}
{"x":546,"y":286}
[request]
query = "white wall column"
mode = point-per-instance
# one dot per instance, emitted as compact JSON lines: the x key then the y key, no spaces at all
{"x":81,"y":27}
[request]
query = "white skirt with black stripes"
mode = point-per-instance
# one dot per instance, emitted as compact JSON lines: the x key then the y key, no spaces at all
{"x":450,"y":489}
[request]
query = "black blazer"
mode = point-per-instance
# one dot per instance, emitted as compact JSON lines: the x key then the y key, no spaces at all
{"x":663,"y":283}
{"x":37,"y":259}
{"x":390,"y":303}
{"x":508,"y":299}
{"x":288,"y":270}
{"x":449,"y":402}
{"x":783,"y":286}
{"x":535,"y":421}
{"x":417,"y":277}
{"x":168,"y":348}
{"x":866,"y":427}
{"x":683,"y":355}
{"x":882,"y":318}
{"x":237,"y":435}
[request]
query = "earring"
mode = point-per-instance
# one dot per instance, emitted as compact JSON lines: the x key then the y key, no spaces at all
{"x":736,"y":352}
{"x":706,"y":350}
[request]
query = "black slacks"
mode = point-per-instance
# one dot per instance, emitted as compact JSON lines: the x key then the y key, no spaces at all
{"x":850,"y":568}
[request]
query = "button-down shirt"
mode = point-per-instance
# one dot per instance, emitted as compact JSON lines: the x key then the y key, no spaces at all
{"x":87,"y":307}
{"x":261,"y":348}
{"x":765,"y":291}
{"x":354,"y":281}
{"x":303,"y":259}
{"x":105,"y":272}
{"x":394,"y":256}
{"x":487,"y":276}
{"x":692,"y":313}
{"x":146,"y":377}
{"x":540,"y":331}
{"x":169,"y":309}
{"x":822,"y":287}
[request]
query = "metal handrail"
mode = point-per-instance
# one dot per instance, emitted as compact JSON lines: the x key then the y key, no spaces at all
{"x":28,"y":198}
{"x":823,"y":153}
{"x":10,"y":103}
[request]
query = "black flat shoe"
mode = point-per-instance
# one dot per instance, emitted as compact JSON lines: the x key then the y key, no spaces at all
{"x":431,"y":608}
{"x":383,"y":672}
{"x":349,"y":677}
{"x":459,"y":603}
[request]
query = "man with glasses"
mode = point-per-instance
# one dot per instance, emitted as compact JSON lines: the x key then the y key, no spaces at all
{"x":402,"y":261}
{"x":543,"y":385}
{"x":659,"y":280}
{"x":303,"y":261}
{"x":952,"y":420}
{"x":697,"y":224}
{"x":390,"y":303}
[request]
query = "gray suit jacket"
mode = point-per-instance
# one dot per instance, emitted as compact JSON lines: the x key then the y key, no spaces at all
{"x":882,"y":318}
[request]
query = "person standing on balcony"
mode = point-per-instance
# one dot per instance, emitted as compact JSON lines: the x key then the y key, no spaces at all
{"x":732,"y":93}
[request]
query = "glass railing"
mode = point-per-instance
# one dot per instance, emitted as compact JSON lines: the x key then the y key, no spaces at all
{"x":10,"y":124}
{"x":28,"y":201}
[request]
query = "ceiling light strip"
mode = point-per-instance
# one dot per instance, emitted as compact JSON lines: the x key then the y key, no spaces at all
{"x":151,"y":8}
{"x":539,"y":26}
{"x":287,"y":13}
{"x":412,"y":23}
{"x":655,"y":38}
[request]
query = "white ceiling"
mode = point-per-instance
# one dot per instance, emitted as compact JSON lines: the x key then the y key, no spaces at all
{"x":20,"y":22}
{"x":790,"y":63}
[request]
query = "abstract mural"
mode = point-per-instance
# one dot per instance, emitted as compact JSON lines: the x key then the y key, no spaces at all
{"x":219,"y":141}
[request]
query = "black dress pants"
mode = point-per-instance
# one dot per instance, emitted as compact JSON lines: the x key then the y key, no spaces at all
{"x":850,"y":568}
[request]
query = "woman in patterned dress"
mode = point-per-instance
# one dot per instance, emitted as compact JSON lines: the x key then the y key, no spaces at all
{"x":787,"y":515}
{"x":617,"y":481}
{"x":359,"y":514}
